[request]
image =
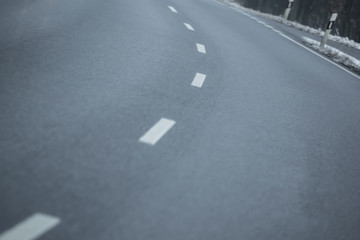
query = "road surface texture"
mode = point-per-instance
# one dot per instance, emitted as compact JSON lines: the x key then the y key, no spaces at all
{"x":119,"y":121}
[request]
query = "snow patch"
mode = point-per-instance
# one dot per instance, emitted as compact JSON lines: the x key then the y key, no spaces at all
{"x":318,"y":32}
{"x":334,"y":54}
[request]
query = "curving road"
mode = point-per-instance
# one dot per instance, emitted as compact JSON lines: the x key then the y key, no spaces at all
{"x":172,"y":120}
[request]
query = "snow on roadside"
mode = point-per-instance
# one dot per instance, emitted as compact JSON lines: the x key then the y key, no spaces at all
{"x":318,"y":32}
{"x":334,"y":54}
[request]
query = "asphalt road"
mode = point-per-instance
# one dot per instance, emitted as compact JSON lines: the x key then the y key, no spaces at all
{"x":266,"y":146}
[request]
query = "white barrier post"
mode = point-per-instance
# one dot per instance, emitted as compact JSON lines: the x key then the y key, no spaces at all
{"x":328,"y":29}
{"x":288,"y":9}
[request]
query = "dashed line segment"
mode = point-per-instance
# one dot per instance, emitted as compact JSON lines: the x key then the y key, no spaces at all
{"x":198,"y":80}
{"x":173,"y":9}
{"x":201,"y":48}
{"x":156,"y":132}
{"x":189,"y":27}
{"x":31,"y":228}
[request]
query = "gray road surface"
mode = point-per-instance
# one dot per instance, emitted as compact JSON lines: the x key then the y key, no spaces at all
{"x":267,"y":148}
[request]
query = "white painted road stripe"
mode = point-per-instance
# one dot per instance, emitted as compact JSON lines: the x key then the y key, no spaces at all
{"x":156,"y":132}
{"x":172,"y":9}
{"x":198,"y":80}
{"x":201,"y":48}
{"x":188,"y":26}
{"x":31,"y":228}
{"x":268,"y":26}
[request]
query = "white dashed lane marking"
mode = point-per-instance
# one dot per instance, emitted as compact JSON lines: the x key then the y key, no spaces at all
{"x":31,"y":228}
{"x":201,"y":48}
{"x":156,"y":132}
{"x":172,"y":9}
{"x":198,"y":80}
{"x":188,"y":26}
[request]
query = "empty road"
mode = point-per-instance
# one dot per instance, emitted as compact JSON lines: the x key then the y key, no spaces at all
{"x":171,"y":120}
